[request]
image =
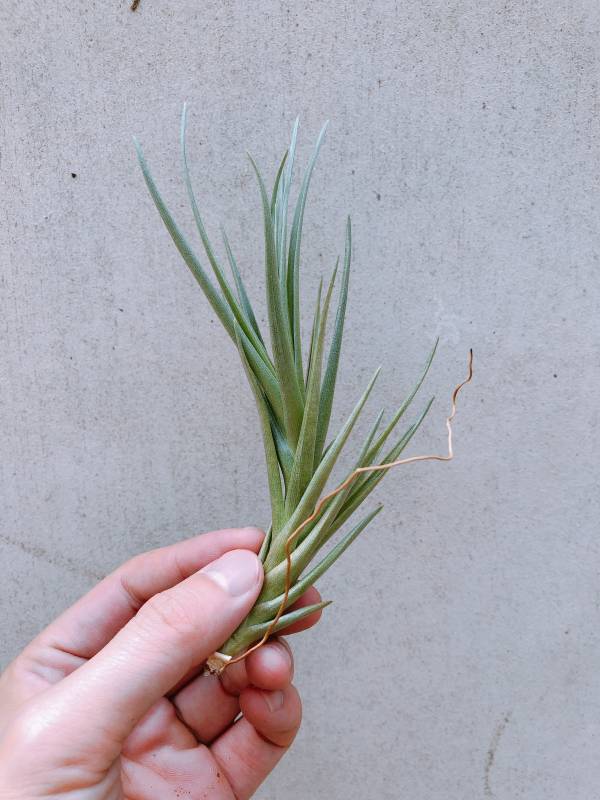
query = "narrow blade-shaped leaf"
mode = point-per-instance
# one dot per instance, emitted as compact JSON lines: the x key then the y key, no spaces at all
{"x":293,"y":260}
{"x":362,"y":491}
{"x":231,"y":300}
{"x":221,"y":308}
{"x":267,"y":608}
{"x":402,"y":409}
{"x":253,"y":633}
{"x":302,"y":471}
{"x":333,"y":359}
{"x":272,"y":462}
{"x":240,"y":287}
{"x":315,"y":487}
{"x":279,"y":325}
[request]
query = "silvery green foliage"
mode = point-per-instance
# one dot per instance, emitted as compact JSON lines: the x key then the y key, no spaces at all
{"x":294,"y":400}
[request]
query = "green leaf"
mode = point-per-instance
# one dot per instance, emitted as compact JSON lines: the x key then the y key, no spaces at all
{"x":294,"y":410}
{"x":278,"y":215}
{"x":273,"y":473}
{"x":329,"y":380}
{"x":256,"y":631}
{"x":362,"y":491}
{"x":314,"y":334}
{"x":293,"y":260}
{"x":400,"y":412}
{"x":287,"y":182}
{"x":241,"y":289}
{"x":214,"y":298}
{"x":331,"y":509}
{"x":268,"y":608}
{"x":284,"y":453}
{"x":279,"y":326}
{"x":320,"y":530}
{"x":302,"y":471}
{"x":317,"y":482}
{"x":236,"y":309}
{"x":265,"y":377}
{"x":263,"y":370}
{"x":275,"y":191}
{"x":264,"y":548}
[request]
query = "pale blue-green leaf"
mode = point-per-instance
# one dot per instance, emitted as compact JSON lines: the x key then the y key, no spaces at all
{"x":264,"y":548}
{"x":333,"y":359}
{"x":361,"y":492}
{"x":314,"y":329}
{"x":241,"y":289}
{"x":402,"y":409}
{"x":315,"y":487}
{"x":278,"y":214}
{"x":273,"y":467}
{"x":253,"y":633}
{"x":279,"y":327}
{"x":302,"y":471}
{"x":278,"y":177}
{"x":268,"y":608}
{"x":221,"y":309}
{"x":265,"y":377}
{"x":284,"y":453}
{"x":320,"y":530}
{"x":305,"y":452}
{"x":281,"y":220}
{"x":293,"y":260}
{"x":231,"y":300}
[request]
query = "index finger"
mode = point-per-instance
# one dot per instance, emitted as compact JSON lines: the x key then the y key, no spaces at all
{"x":85,"y":628}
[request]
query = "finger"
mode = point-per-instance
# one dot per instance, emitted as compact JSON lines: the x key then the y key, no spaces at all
{"x":309,"y":597}
{"x":88,"y":625}
{"x":270,"y":667}
{"x":206,"y":708}
{"x":209,"y":704}
{"x":275,"y":715}
{"x":251,"y":748}
{"x":171,"y":633}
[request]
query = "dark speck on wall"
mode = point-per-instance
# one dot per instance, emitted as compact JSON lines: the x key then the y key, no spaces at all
{"x":73,"y":174}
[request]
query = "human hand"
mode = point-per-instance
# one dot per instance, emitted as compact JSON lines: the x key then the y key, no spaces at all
{"x":109,"y":702}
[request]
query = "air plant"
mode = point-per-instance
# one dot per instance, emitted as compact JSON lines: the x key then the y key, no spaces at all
{"x":294,"y":397}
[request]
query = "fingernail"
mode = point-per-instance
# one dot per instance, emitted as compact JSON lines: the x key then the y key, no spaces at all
{"x":274,"y":700}
{"x":272,"y":655}
{"x":236,"y":572}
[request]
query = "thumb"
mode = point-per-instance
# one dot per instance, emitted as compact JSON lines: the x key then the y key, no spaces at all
{"x":173,"y":632}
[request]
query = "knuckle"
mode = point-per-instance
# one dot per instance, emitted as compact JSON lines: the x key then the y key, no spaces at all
{"x":173,"y":611}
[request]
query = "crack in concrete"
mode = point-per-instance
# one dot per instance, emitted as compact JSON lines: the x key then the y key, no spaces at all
{"x":491,"y":753}
{"x":54,"y":559}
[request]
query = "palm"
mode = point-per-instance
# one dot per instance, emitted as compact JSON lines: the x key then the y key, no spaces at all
{"x":211,"y":737}
{"x":163,"y":758}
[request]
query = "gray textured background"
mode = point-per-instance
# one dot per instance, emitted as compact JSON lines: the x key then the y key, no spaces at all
{"x":461,"y":657}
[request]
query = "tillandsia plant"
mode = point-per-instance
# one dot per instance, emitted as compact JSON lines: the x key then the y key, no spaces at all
{"x":294,"y":396}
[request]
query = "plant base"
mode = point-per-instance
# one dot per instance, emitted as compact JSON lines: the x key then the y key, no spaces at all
{"x":216,"y":663}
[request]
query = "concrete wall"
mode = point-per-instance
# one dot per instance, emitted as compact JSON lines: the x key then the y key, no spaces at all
{"x":460,"y":658}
